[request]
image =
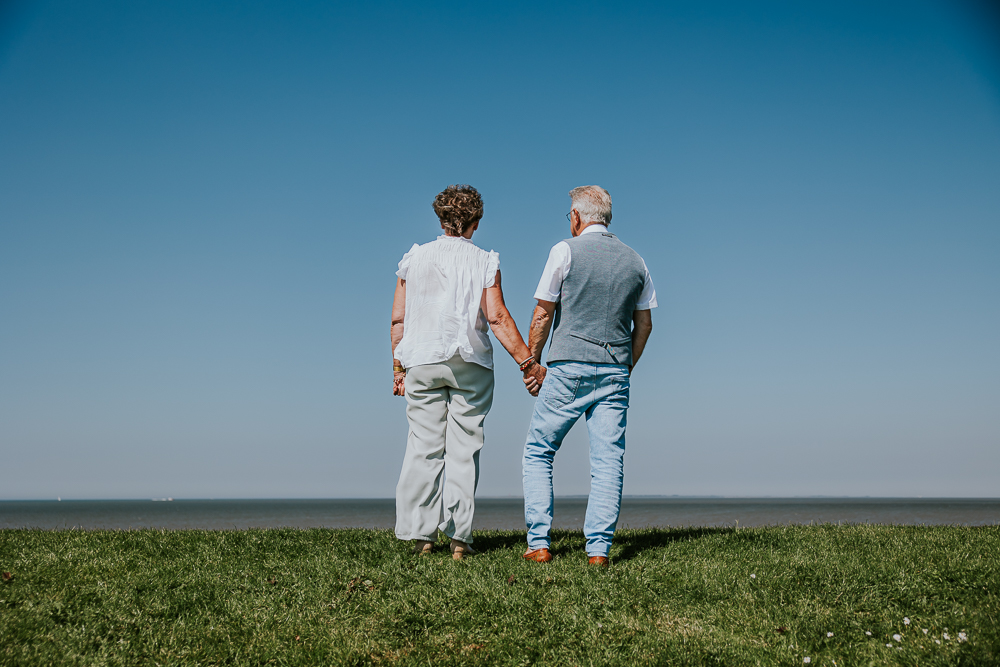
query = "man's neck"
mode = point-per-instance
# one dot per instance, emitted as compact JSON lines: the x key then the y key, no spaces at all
{"x":583,"y":230}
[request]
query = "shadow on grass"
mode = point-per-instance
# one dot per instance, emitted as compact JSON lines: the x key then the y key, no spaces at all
{"x":633,"y":542}
{"x":629,"y":542}
{"x":500,"y":540}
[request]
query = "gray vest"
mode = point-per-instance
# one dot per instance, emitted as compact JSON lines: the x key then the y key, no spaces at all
{"x":593,"y":321}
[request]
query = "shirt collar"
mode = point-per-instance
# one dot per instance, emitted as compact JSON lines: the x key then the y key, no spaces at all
{"x":594,"y":229}
{"x":454,"y":238}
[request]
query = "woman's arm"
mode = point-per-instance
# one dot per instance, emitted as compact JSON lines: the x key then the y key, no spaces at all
{"x":505,"y":329}
{"x":396,"y":335}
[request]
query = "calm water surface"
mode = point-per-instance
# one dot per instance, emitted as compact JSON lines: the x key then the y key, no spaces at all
{"x":496,"y":513}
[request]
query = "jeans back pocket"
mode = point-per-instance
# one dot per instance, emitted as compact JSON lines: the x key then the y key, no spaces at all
{"x":561,"y":388}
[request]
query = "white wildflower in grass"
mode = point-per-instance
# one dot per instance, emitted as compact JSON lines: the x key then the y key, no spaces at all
{"x":888,"y":645}
{"x":829,"y":634}
{"x":962,"y":636}
{"x":753,"y":576}
{"x":945,"y":635}
{"x":925,"y":631}
{"x":807,"y":660}
{"x":906,"y":621}
{"x":868,"y":632}
{"x":897,"y":638}
{"x":937,"y":641}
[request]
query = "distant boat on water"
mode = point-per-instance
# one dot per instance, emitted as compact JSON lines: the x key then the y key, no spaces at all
{"x":162,"y":500}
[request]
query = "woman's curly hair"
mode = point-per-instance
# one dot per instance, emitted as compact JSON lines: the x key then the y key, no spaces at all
{"x":458,"y":207}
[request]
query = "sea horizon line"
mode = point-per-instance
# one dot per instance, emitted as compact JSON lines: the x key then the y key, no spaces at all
{"x":510,"y":497}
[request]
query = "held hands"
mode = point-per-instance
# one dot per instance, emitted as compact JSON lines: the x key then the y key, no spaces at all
{"x":398,"y":378}
{"x":534,"y":375}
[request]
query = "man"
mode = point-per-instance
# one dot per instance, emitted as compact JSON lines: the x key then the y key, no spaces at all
{"x":595,"y":296}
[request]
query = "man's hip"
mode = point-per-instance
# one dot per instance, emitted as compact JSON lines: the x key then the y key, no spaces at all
{"x":572,"y":387}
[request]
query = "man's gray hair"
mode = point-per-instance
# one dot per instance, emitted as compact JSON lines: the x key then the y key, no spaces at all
{"x":593,"y":203}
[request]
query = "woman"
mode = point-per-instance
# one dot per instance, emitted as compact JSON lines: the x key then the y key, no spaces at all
{"x":447,"y":292}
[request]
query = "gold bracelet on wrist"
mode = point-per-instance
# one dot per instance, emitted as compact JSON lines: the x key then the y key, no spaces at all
{"x":398,"y":369}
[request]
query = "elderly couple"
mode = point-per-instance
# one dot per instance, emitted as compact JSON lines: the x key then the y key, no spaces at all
{"x":595,"y":297}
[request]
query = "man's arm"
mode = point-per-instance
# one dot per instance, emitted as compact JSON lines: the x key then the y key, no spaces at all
{"x":547,"y":294}
{"x":642,"y":326}
{"x":541,"y":325}
{"x":396,"y":334}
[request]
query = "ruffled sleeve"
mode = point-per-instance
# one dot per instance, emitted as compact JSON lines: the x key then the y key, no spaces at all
{"x":492,"y":266}
{"x":404,"y":264}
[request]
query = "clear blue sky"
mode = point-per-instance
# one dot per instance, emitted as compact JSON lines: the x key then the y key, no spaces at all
{"x":202,"y":205}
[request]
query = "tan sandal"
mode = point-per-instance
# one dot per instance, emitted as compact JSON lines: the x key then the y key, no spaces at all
{"x":460,"y":550}
{"x":422,"y":547}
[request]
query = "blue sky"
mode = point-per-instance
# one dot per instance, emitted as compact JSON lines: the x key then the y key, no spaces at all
{"x":202,"y":206}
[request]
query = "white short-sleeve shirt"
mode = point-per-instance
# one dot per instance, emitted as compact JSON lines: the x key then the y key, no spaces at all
{"x":445,"y":280}
{"x":557,"y":268}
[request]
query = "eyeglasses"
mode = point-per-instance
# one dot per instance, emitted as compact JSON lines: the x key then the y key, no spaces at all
{"x":569,"y":216}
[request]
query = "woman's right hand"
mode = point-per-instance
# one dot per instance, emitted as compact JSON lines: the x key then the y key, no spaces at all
{"x":398,"y":383}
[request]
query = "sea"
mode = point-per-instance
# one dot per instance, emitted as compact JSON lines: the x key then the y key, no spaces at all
{"x":491,"y":513}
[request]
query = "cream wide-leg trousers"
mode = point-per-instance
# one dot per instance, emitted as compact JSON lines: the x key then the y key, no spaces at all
{"x":446,"y":405}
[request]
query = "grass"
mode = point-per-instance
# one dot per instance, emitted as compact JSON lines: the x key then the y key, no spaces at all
{"x":714,"y":596}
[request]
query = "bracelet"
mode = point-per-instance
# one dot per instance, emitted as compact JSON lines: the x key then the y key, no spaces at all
{"x":526,"y":363}
{"x":398,"y":369}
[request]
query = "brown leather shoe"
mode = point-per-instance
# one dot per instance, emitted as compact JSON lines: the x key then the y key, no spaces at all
{"x":599,"y":560}
{"x":538,"y":555}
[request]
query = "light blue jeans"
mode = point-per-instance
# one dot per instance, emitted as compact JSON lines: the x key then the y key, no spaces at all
{"x":572,"y":389}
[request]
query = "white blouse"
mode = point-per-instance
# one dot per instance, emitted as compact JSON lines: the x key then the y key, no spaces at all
{"x":445,"y":280}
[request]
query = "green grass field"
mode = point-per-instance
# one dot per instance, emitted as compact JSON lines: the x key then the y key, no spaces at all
{"x":761,"y":596}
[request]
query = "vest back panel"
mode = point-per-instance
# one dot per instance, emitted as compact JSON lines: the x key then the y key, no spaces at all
{"x":593,"y":319}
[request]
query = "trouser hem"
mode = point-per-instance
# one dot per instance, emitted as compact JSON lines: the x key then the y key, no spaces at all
{"x":414,"y":536}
